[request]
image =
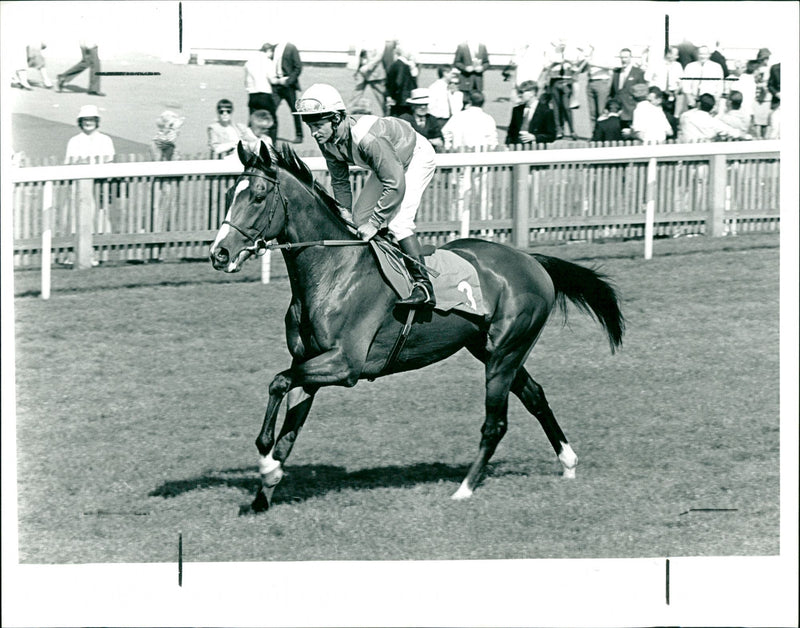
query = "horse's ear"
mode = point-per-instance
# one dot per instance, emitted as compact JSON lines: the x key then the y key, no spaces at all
{"x":264,"y":151}
{"x":244,"y":154}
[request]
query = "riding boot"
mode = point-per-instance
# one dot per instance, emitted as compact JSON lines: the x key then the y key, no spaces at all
{"x":422,"y":292}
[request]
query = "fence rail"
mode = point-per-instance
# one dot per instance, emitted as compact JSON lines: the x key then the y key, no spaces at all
{"x":171,"y":210}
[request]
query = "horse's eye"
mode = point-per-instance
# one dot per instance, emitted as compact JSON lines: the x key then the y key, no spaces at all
{"x":259,"y":197}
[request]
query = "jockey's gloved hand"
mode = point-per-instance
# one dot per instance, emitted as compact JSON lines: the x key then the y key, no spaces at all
{"x":367,"y":231}
{"x":346,"y":214}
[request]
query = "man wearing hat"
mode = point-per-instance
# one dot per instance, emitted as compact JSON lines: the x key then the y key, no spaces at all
{"x":90,"y":145}
{"x":259,"y":76}
{"x":423,"y":122}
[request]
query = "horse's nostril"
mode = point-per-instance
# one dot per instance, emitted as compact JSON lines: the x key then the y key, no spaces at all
{"x":222,"y":256}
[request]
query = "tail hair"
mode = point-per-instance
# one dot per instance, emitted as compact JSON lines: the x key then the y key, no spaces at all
{"x":590,"y":290}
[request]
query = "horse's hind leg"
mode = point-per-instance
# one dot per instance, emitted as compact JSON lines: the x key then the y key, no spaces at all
{"x":532,"y":397}
{"x":492,"y":432}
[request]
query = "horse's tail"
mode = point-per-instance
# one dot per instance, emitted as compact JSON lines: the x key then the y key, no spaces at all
{"x":590,"y":290}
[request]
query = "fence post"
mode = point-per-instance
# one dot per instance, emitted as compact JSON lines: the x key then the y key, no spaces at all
{"x":85,"y":212}
{"x":650,"y":209}
{"x":47,"y":237}
{"x":522,"y":206}
{"x":717,"y":184}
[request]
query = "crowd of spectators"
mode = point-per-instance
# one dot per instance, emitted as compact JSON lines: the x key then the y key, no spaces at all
{"x":690,"y":93}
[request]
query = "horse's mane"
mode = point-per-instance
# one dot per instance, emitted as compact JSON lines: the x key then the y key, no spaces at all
{"x":287,"y":159}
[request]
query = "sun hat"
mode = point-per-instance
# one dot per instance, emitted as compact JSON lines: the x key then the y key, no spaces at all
{"x":267,"y":46}
{"x":88,"y":111}
{"x":419,"y":96}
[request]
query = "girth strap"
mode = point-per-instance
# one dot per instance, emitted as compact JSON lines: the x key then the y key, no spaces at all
{"x":398,"y":344}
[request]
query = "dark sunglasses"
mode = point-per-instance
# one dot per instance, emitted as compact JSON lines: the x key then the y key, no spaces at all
{"x":224,"y":110}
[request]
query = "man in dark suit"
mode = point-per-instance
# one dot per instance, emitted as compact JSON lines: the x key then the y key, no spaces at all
{"x":471,"y":60}
{"x":622,"y":82}
{"x":288,"y":67}
{"x":532,"y":121}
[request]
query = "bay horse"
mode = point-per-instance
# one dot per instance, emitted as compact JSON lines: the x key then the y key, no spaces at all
{"x":342,"y":321}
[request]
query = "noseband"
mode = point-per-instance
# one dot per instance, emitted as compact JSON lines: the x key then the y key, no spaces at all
{"x":255,"y":234}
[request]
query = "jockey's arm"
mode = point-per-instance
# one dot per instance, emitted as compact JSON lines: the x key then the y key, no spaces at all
{"x":382,"y":159}
{"x":340,"y":182}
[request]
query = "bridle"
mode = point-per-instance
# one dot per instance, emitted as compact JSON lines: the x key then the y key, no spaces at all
{"x":255,"y":234}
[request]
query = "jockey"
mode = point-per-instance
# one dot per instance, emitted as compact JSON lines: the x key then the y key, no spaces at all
{"x":401,"y":162}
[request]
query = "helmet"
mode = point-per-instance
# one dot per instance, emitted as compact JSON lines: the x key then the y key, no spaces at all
{"x":318,"y":99}
{"x":88,"y":111}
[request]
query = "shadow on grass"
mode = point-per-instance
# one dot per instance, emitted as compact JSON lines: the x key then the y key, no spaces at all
{"x":307,"y":481}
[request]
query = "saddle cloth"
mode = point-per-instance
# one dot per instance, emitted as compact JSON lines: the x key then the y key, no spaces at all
{"x":455,"y":281}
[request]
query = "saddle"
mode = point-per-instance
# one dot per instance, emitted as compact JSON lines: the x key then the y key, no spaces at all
{"x":455,"y":281}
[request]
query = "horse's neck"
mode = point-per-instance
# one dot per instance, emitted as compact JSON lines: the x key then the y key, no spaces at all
{"x":309,"y":219}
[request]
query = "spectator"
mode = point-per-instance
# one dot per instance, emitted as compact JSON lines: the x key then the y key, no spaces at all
{"x":90,"y":145}
{"x":168,"y":124}
{"x":439,"y":103}
{"x":423,"y":122}
{"x":746,"y":85}
{"x":774,"y":82}
{"x":400,"y":80}
{"x":361,"y":107}
{"x":472,"y":127}
{"x":608,"y":127}
{"x":260,"y":126}
{"x":370,"y":76}
{"x":649,"y":124}
{"x":773,"y":131}
{"x":702,"y":77}
{"x":598,"y":85}
{"x":527,"y":65}
{"x":762,"y":108}
{"x":718,"y":58}
{"x":36,"y":62}
{"x":667,"y":75}
{"x":288,"y":67}
{"x":20,"y":68}
{"x":259,"y":75}
{"x":224,"y":134}
{"x":472,"y":60}
{"x":563,"y":65}
{"x":687,"y":52}
{"x":89,"y":60}
{"x":532,"y":121}
{"x":734,"y":116}
{"x":623,"y":79}
{"x":699,"y":125}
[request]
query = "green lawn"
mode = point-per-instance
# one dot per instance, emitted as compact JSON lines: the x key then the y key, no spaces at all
{"x":140,"y":390}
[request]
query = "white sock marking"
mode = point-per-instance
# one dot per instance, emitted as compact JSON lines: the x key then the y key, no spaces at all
{"x":267,"y":464}
{"x":568,"y":459}
{"x":296,"y":396}
{"x":463,"y":492}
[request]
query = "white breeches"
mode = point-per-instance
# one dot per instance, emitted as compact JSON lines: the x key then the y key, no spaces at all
{"x":418,"y":175}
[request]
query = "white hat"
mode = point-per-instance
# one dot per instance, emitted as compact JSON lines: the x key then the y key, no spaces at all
{"x":88,"y":111}
{"x":318,"y":99}
{"x":419,"y":96}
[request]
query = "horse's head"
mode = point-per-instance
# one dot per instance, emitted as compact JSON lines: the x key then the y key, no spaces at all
{"x":256,"y":212}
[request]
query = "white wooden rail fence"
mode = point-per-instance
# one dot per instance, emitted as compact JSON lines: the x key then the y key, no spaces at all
{"x":507,"y":193}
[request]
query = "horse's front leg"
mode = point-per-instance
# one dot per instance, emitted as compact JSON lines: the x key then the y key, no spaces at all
{"x":300,"y":384}
{"x":278,"y":389}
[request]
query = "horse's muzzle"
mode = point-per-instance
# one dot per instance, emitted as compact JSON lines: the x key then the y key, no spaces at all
{"x":219,"y":258}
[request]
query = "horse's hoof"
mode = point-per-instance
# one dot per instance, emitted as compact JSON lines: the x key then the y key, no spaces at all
{"x":260,"y":503}
{"x":569,"y":473}
{"x":463,"y":492}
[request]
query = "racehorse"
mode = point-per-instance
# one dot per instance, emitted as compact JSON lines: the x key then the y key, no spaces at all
{"x":342,"y":321}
